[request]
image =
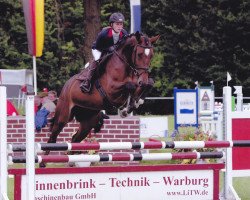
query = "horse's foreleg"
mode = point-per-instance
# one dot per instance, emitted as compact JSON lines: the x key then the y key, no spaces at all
{"x":140,"y":95}
{"x":147,"y":89}
{"x":129,"y":89}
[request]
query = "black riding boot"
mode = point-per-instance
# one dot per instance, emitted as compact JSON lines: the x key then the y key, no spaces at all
{"x":88,"y":74}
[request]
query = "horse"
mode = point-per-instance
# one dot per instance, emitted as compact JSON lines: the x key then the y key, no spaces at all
{"x":123,"y":79}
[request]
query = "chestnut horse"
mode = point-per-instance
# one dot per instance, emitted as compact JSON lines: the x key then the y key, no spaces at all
{"x":122,"y":80}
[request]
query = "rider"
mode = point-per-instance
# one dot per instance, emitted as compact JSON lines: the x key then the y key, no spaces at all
{"x":106,"y":39}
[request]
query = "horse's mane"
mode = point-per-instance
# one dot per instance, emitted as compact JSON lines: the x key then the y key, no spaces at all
{"x":124,"y":39}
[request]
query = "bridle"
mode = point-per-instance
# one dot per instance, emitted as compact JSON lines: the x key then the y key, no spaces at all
{"x":135,"y":69}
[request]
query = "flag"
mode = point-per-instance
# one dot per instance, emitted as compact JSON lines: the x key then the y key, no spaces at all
{"x":135,"y":10}
{"x":34,"y":22}
{"x":228,"y":77}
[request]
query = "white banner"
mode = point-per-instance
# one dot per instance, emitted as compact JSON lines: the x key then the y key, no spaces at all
{"x":147,"y":185}
{"x":153,"y":127}
{"x":16,"y":77}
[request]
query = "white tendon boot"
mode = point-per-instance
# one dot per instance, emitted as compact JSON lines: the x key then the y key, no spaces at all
{"x":140,"y":102}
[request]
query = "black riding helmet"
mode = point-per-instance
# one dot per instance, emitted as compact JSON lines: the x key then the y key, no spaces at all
{"x":116,"y":17}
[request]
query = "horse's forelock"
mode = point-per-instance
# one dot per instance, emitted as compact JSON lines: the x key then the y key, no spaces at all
{"x":146,"y":40}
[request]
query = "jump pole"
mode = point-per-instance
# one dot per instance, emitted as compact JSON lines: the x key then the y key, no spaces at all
{"x":3,"y":143}
{"x":100,"y":146}
{"x":118,"y":157}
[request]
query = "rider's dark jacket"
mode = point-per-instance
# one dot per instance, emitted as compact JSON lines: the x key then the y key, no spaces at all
{"x":105,"y":39}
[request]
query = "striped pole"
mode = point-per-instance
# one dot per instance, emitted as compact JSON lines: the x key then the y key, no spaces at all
{"x":132,"y":145}
{"x":118,"y":157}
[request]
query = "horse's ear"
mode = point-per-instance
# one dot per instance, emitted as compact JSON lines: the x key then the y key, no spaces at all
{"x":138,"y":36}
{"x":154,"y":39}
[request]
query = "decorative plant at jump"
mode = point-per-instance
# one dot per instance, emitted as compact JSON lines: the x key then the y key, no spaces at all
{"x":89,"y":139}
{"x":188,"y":134}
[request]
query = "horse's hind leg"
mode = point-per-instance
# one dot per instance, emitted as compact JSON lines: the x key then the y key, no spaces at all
{"x":86,"y":125}
{"x":61,"y":118}
{"x":82,"y":132}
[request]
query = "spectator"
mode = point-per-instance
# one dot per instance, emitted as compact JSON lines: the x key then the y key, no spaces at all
{"x":48,"y":102}
{"x":52,"y":95}
{"x":38,"y":103}
{"x":48,"y":106}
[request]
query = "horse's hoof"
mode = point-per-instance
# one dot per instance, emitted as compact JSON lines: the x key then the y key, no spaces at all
{"x":71,"y":164}
{"x":42,"y":165}
{"x":123,"y":113}
{"x":104,"y":116}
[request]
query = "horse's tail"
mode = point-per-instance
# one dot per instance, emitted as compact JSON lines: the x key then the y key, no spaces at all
{"x":52,"y":122}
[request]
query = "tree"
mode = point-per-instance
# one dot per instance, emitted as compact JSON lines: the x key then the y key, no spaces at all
{"x":200,"y":40}
{"x":12,"y":36}
{"x":92,"y":25}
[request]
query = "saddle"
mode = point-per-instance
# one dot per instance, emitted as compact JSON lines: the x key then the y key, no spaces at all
{"x":91,"y":66}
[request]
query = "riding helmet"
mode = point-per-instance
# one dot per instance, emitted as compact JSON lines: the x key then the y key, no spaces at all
{"x":116,"y":17}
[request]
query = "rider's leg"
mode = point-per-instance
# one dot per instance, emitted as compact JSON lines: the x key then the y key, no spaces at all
{"x":86,"y":83}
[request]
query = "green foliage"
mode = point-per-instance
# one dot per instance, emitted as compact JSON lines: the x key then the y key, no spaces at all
{"x":111,"y":6}
{"x":12,"y":36}
{"x":200,"y":40}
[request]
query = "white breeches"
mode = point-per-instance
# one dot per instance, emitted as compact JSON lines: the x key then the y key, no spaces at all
{"x":97,"y":54}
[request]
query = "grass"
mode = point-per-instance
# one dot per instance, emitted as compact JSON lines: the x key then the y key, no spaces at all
{"x":240,"y":184}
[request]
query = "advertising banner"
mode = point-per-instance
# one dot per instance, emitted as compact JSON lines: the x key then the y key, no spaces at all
{"x":131,"y":183}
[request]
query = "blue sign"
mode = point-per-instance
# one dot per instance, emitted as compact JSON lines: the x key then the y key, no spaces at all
{"x":185,"y":107}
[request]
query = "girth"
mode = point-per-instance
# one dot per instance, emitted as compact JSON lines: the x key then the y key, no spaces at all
{"x":106,"y":102}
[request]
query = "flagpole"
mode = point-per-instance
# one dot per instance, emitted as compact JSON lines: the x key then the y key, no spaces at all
{"x":34,"y":75}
